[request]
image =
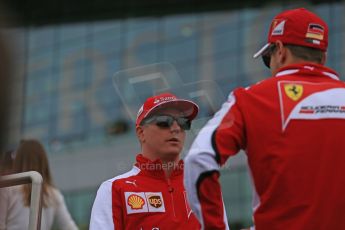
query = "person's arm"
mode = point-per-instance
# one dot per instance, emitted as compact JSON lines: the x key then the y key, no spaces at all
{"x":220,"y":138}
{"x":63,"y":218}
{"x":107,"y":202}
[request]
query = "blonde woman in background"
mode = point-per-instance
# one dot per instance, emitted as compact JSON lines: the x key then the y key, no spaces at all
{"x":15,"y":200}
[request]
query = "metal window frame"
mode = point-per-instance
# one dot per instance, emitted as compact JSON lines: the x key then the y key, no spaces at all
{"x":36,"y":181}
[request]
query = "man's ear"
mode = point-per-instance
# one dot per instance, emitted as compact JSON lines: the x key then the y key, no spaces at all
{"x":140,"y":133}
{"x":282,"y":52}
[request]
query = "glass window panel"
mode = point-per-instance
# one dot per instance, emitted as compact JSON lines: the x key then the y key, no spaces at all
{"x":187,"y":71}
{"x":37,"y":111}
{"x":73,"y":126}
{"x":184,"y":50}
{"x":39,"y":131}
{"x":43,"y":37}
{"x":39,"y":62}
{"x":226,"y":66}
{"x":139,"y":31}
{"x":106,"y":27}
{"x":113,"y":65}
{"x":135,"y":25}
{"x":70,"y":50}
{"x":180,"y":26}
{"x":73,"y":77}
{"x":141,"y":39}
{"x":106,"y":94}
{"x":39,"y":86}
{"x":143,"y":58}
{"x":73,"y":31}
{"x":108,"y":43}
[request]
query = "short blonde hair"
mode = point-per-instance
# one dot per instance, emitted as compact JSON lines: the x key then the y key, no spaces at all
{"x":307,"y":53}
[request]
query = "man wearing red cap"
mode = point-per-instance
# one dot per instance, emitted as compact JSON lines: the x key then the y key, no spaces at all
{"x":291,"y":127}
{"x":151,"y":195}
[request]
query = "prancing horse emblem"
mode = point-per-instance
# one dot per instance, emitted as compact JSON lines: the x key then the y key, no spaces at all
{"x":293,"y":91}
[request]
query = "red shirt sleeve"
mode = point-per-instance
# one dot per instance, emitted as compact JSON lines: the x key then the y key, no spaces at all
{"x":229,"y":137}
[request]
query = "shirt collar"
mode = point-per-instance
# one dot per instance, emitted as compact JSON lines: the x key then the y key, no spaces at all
{"x":156,"y":168}
{"x":307,"y":69}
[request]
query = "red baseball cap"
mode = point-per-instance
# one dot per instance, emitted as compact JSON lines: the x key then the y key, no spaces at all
{"x":167,"y":100}
{"x":297,"y":27}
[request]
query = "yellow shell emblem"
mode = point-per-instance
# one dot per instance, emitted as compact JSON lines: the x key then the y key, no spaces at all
{"x":135,"y":201}
{"x":294,"y":91}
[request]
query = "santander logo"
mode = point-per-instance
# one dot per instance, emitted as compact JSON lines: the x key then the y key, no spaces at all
{"x":161,"y":99}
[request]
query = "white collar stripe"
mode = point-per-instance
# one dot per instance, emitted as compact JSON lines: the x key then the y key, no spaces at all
{"x":292,"y":71}
{"x":331,"y":75}
{"x":287,"y":72}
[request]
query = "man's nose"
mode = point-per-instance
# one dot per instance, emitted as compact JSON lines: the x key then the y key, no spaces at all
{"x":175,"y":127}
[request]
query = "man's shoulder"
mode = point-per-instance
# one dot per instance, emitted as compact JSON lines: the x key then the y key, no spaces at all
{"x":266,"y":83}
{"x":264,"y":86}
{"x":117,"y":179}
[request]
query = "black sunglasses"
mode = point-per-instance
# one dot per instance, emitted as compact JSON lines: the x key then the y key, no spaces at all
{"x":266,"y":56}
{"x":166,"y":121}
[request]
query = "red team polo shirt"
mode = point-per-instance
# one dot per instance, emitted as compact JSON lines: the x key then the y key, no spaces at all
{"x":292,"y":128}
{"x":143,"y":199}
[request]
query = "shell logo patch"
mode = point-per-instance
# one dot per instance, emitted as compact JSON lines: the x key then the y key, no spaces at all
{"x":155,"y":201}
{"x":141,"y":202}
{"x":294,"y":91}
{"x":135,"y":201}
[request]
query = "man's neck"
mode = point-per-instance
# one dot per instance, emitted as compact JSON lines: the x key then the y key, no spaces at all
{"x":169,"y":162}
{"x":170,"y":166}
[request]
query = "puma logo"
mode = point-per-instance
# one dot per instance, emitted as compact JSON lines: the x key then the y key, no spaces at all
{"x":131,"y":182}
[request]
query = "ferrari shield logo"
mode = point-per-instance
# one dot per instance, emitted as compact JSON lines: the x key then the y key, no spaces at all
{"x":293,"y":91}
